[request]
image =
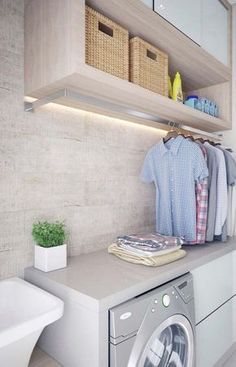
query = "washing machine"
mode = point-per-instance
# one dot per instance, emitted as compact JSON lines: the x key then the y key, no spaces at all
{"x":155,"y":329}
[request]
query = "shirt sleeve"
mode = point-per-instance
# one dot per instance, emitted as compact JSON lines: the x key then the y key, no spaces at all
{"x":200,"y":166}
{"x":230,"y":168}
{"x":147,"y":172}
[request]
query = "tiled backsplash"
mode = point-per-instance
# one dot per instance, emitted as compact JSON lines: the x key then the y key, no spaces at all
{"x":65,"y":164}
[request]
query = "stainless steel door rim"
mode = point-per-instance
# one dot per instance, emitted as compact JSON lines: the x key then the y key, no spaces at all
{"x":138,"y":360}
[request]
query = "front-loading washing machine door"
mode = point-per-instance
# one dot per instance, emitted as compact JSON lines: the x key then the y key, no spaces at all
{"x":170,"y":345}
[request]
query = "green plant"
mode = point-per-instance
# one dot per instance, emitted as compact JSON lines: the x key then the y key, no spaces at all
{"x":48,"y":234}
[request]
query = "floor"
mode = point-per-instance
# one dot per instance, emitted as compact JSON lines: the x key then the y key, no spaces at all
{"x":41,"y":359}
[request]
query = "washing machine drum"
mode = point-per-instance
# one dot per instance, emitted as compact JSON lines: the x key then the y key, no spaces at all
{"x":171,"y":345}
{"x":168,"y":349}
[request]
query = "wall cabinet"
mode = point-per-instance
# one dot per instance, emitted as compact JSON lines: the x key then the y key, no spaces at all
{"x":183,"y":14}
{"x":206,"y":22}
{"x":215,"y":29}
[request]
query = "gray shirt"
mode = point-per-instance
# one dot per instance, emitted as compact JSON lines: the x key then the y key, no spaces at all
{"x":212,"y":186}
{"x":230,"y":167}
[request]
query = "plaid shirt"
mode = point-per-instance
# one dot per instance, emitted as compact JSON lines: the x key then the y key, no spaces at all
{"x":201,"y":207}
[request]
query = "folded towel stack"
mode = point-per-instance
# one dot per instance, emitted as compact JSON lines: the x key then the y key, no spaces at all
{"x":148,"y":249}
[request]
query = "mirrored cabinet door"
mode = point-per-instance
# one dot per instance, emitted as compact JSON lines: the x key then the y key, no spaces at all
{"x":215,"y":29}
{"x":183,"y":14}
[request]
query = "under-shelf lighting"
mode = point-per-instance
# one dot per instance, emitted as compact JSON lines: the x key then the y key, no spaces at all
{"x":93,"y":101}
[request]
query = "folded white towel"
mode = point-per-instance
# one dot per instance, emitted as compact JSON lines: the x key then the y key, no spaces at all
{"x":145,"y":260}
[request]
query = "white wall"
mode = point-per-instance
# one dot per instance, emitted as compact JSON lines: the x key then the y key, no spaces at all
{"x":230,"y":136}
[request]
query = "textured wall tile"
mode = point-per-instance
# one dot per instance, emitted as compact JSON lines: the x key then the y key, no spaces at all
{"x":64,"y":164}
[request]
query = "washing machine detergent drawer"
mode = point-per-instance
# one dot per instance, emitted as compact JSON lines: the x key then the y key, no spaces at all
{"x":125,"y":321}
{"x":133,"y":324}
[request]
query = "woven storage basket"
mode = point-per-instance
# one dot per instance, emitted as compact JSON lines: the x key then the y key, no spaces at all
{"x":107,"y":44}
{"x":148,"y":66}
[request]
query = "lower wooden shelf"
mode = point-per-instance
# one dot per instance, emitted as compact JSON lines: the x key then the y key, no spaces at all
{"x":93,"y":90}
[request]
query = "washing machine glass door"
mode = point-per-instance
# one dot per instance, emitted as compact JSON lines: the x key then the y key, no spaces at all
{"x":171,"y":345}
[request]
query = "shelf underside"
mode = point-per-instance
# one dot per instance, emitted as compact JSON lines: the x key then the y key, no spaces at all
{"x":125,"y":100}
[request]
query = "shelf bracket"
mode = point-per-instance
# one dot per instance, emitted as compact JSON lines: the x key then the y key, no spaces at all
{"x":106,"y":105}
{"x":32,"y":106}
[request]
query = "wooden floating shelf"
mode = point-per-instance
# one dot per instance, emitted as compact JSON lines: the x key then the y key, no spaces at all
{"x":106,"y":94}
{"x":55,"y":61}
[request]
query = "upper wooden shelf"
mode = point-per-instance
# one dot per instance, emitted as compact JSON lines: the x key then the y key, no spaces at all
{"x":55,"y":60}
{"x":198,"y":68}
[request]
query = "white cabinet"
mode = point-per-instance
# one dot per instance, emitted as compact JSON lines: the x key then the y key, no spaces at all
{"x":215,"y":29}
{"x":214,"y":336}
{"x":234,"y":291}
{"x":234,"y":318}
{"x":213,"y":285}
{"x":206,"y":22}
{"x":183,"y":14}
{"x":234,"y":272}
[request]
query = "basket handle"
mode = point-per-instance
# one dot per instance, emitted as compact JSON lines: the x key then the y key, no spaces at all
{"x":105,"y":29}
{"x":151,"y":55}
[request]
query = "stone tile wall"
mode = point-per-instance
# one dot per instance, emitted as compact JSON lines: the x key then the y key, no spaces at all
{"x":60,"y":163}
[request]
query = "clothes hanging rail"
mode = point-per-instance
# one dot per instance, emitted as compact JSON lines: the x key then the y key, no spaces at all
{"x":93,"y":101}
{"x":194,"y":131}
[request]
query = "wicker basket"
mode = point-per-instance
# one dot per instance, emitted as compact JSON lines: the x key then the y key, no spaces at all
{"x":107,"y":44}
{"x":148,"y":66}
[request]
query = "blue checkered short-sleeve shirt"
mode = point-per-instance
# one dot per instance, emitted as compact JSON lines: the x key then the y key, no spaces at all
{"x":174,"y":167}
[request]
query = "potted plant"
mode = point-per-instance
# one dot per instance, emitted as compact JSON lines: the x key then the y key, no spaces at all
{"x":50,"y":249}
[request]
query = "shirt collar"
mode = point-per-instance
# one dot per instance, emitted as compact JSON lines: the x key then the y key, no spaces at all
{"x":174,"y":146}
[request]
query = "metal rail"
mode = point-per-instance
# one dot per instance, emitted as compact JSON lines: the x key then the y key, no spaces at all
{"x":70,"y":94}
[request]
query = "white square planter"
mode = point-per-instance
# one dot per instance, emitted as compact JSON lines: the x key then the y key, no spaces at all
{"x":50,"y":258}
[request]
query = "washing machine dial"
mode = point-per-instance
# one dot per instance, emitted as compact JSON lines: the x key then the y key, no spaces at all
{"x":166,"y":300}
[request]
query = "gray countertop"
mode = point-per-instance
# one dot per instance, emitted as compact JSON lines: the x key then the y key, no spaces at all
{"x":101,"y":280}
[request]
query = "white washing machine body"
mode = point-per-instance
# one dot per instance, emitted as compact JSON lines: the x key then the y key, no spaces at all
{"x":155,"y":329}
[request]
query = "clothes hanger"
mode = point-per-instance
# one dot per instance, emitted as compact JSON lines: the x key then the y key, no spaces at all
{"x":172,"y":134}
{"x":190,"y":137}
{"x":182,"y":134}
{"x":201,"y":140}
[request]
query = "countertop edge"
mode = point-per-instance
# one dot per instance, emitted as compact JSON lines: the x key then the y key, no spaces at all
{"x":179,"y":267}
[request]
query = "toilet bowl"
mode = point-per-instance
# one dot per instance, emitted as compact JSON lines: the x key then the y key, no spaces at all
{"x":24,"y":312}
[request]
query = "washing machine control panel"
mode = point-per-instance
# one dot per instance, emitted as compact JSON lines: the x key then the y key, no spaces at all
{"x":185,"y":290}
